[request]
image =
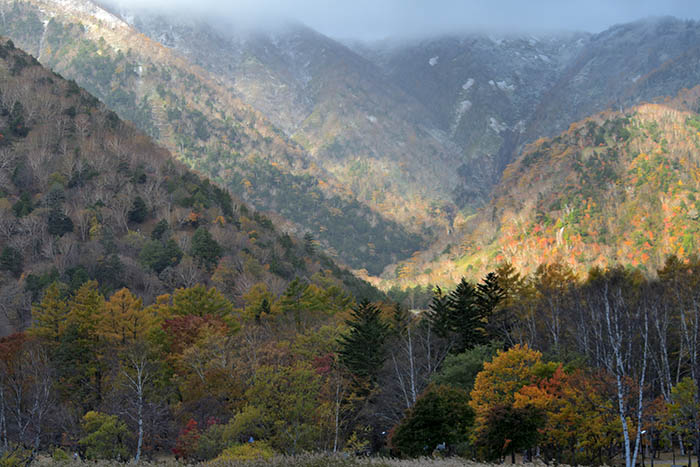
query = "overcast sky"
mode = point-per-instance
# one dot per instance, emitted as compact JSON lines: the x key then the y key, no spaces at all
{"x":377,"y":19}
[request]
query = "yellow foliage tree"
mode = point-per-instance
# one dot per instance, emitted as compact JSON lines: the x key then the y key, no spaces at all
{"x":500,"y":380}
{"x":86,"y":308}
{"x":124,"y":318}
{"x":49,"y":316}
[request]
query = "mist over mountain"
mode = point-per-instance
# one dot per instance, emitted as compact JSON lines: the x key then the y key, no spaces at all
{"x":368,"y":20}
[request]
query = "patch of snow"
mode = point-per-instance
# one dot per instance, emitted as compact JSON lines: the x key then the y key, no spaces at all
{"x":463,"y":107}
{"x":545,"y":59}
{"x":503,"y":86}
{"x":433,"y":61}
{"x":496,"y":126}
{"x":469,"y":83}
{"x":89,"y":8}
{"x":492,"y":83}
{"x":636,"y":78}
{"x":372,"y":118}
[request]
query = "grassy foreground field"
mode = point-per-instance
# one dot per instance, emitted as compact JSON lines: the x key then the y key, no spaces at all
{"x":309,"y":460}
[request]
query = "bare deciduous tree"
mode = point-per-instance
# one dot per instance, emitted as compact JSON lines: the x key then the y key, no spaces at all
{"x":26,"y":395}
{"x":137,"y":371}
{"x":620,"y":327}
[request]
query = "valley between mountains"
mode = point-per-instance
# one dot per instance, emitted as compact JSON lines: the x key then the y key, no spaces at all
{"x":383,"y":152}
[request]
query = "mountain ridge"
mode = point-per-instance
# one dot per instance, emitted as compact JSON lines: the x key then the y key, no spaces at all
{"x":207,"y":127}
{"x":85,"y":195}
{"x":331,"y":101}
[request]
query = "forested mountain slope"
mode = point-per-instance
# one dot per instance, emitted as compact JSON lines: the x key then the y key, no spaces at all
{"x":455,"y":109}
{"x":616,"y":188}
{"x":374,"y":138}
{"x":84,"y":195}
{"x":376,"y":149}
{"x":202,"y":122}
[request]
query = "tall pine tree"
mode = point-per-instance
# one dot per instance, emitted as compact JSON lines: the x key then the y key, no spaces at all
{"x":462,"y":315}
{"x":362,"y":349}
{"x":466,"y":318}
{"x":439,"y":314}
{"x":489,"y":294}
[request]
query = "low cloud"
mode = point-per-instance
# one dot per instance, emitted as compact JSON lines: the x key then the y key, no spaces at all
{"x":376,"y":19}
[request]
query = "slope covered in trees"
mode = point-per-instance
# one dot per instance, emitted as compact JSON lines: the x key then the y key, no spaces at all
{"x":202,"y":122}
{"x":84,"y":195}
{"x":364,"y":131}
{"x":616,"y":188}
{"x":377,"y":140}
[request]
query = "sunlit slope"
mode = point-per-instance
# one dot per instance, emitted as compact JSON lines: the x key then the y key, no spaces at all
{"x":616,"y":188}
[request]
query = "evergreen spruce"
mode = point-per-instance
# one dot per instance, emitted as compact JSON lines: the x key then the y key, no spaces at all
{"x":160,"y":229}
{"x":16,"y":121}
{"x":489,"y":294}
{"x":11,"y":260}
{"x":439,"y":315}
{"x":462,"y":316}
{"x":400,"y":320}
{"x":362,"y":349}
{"x":205,"y":249}
{"x":138,"y":211}
{"x":466,"y":318}
{"x":58,"y":223}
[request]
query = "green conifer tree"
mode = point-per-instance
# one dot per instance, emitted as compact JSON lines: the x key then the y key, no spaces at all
{"x":362,"y":349}
{"x":439,"y":314}
{"x":466,"y":319}
{"x":11,"y":260}
{"x":205,"y":249}
{"x":489,"y":294}
{"x":138,"y":211}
